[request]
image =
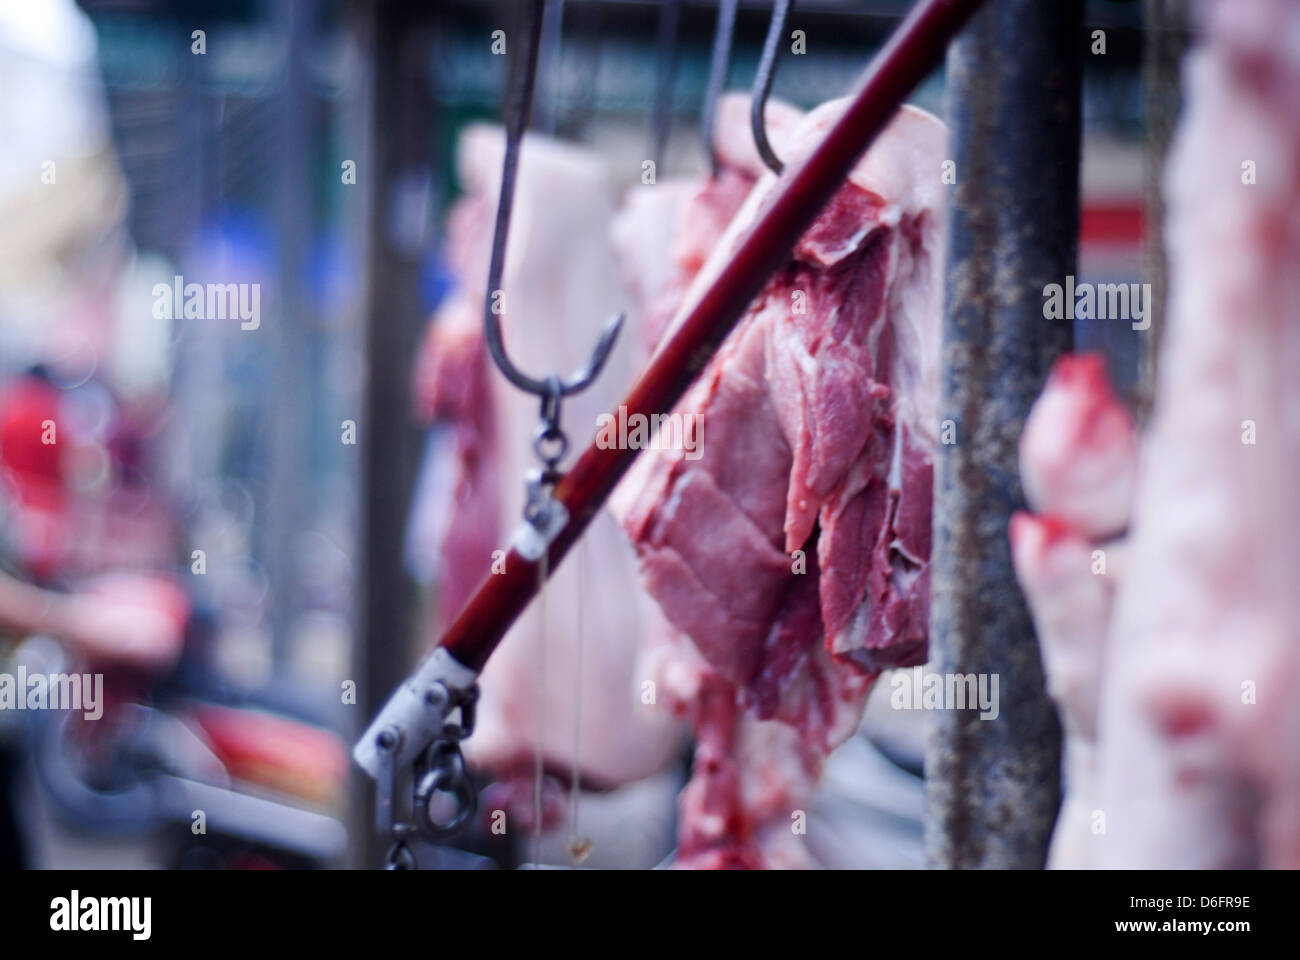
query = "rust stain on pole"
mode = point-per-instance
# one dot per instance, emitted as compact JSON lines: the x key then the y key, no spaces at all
{"x":1014,"y":78}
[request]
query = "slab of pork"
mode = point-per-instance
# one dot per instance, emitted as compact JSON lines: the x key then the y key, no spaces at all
{"x":794,"y":552}
{"x":1201,"y":709}
{"x":1197,"y":711}
{"x":1078,"y":458}
{"x":746,"y":772}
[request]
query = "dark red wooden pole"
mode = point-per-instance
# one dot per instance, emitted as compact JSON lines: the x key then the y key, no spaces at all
{"x":916,"y":48}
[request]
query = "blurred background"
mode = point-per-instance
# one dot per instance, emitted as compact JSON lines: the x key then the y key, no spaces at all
{"x":258,"y":486}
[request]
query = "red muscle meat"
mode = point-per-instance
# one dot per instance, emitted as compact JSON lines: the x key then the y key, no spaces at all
{"x":808,"y":473}
{"x":794,"y":552}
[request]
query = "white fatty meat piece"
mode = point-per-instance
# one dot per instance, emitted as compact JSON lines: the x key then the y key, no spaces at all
{"x":1201,"y":711}
{"x":570,"y":659}
{"x":1077,"y":463}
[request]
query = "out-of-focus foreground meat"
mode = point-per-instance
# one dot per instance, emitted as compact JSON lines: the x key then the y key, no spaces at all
{"x":1201,"y":709}
{"x":1078,"y":458}
{"x":572,"y":655}
{"x":1198,"y":704}
{"x":794,"y":550}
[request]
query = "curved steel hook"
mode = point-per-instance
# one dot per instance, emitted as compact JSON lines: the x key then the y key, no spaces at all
{"x":763,"y":83}
{"x":665,"y":65}
{"x":717,"y":76}
{"x":519,"y":102}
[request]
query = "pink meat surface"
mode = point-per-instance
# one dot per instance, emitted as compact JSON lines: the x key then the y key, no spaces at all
{"x":1078,"y":458}
{"x":794,"y":552}
{"x":1078,"y":455}
{"x":1200,"y":713}
{"x":452,"y":388}
{"x":1177,"y":672}
{"x":749,"y":776}
{"x":809,"y":462}
{"x":666,"y":231}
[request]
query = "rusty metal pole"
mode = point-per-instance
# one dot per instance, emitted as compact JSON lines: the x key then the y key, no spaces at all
{"x":1014,"y":79}
{"x":389,"y":132}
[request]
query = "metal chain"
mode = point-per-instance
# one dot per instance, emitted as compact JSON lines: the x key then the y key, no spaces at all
{"x":440,"y":770}
{"x":550,"y":443}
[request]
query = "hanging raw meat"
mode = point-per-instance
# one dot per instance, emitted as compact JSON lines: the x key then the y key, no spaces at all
{"x":1078,"y":457}
{"x":665,"y":232}
{"x":746,"y":772}
{"x":1200,"y":711}
{"x":794,"y":552}
{"x":1193,"y":681}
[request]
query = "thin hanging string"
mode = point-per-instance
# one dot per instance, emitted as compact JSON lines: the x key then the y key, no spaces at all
{"x":578,"y":846}
{"x":540,"y":712}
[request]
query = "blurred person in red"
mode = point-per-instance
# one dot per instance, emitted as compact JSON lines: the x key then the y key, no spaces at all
{"x":71,"y":498}
{"x":124,"y":620}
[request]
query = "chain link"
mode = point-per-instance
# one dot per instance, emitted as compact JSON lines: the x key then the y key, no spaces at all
{"x":445,"y":773}
{"x":440,"y":770}
{"x":550,"y":444}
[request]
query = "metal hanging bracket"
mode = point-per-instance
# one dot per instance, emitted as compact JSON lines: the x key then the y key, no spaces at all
{"x":420,"y":729}
{"x":414,"y":731}
{"x":439,"y":768}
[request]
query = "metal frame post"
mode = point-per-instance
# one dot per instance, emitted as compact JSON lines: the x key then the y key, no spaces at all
{"x":1014,"y":82}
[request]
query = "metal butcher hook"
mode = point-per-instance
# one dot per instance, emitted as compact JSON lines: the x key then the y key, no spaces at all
{"x":721,"y":59}
{"x":550,"y":442}
{"x":763,"y":83}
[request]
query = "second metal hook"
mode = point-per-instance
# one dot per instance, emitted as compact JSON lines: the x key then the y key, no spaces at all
{"x":718,"y":64}
{"x":519,"y":100}
{"x":763,"y":83}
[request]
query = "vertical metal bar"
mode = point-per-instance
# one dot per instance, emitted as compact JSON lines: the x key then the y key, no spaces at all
{"x":1014,"y":77}
{"x":390,"y":130}
{"x":358,"y":122}
{"x":665,"y":68}
{"x":285,"y":516}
